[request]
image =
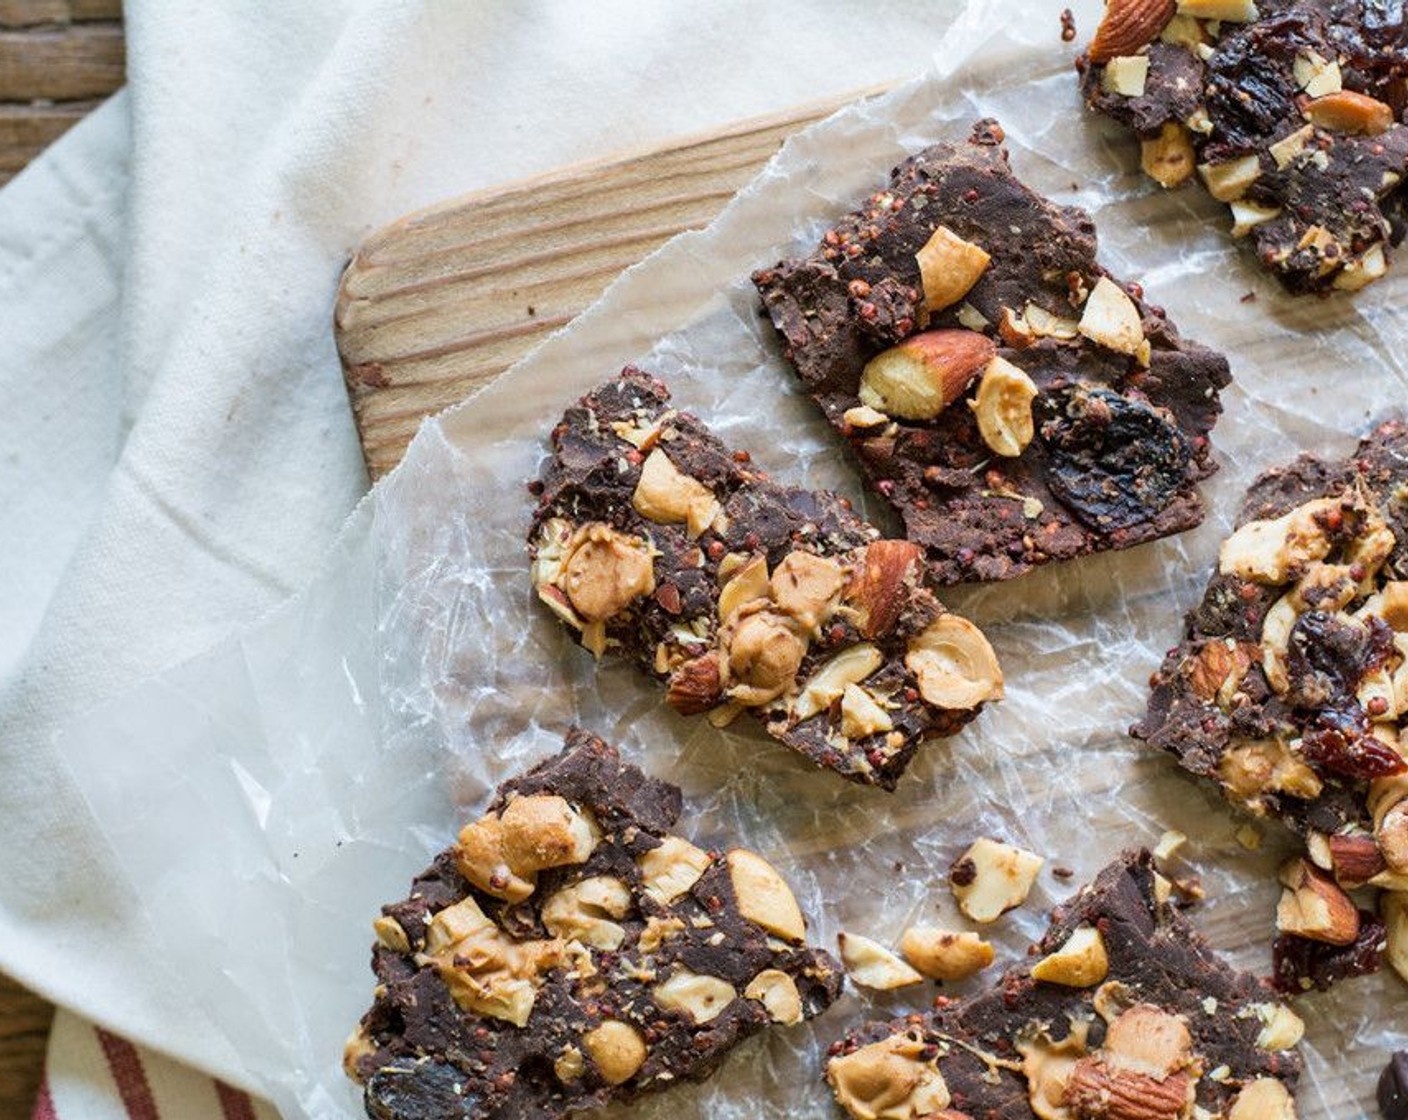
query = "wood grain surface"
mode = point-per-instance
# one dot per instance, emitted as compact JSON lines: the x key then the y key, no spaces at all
{"x":441,"y":302}
{"x":58,"y":59}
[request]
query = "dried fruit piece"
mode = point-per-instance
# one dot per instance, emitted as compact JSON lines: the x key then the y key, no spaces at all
{"x":924,"y":374}
{"x":871,"y":965}
{"x":1081,"y":962}
{"x":1300,"y":964}
{"x":949,"y":267}
{"x":991,"y":878}
{"x":954,"y":664}
{"x":943,"y":954}
{"x":1115,"y":462}
{"x":1127,"y":26}
{"x":1003,"y":407}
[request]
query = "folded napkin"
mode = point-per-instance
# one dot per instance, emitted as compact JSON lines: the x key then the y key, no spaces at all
{"x":178,"y":450}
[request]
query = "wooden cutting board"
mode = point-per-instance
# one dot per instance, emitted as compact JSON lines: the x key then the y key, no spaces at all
{"x":441,"y":302}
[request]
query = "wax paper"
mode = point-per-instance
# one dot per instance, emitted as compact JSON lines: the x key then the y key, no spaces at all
{"x":267,"y":798}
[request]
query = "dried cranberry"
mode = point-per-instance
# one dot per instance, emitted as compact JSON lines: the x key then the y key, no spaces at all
{"x":1340,"y":743}
{"x":1301,"y":964}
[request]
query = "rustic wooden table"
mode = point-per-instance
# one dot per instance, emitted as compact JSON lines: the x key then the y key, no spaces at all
{"x":58,"y":60}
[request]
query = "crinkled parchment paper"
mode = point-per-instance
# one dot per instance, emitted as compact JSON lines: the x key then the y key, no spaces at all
{"x":266,"y":798}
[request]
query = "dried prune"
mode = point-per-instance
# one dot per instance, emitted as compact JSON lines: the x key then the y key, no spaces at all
{"x":422,"y":1089}
{"x":1300,"y":964}
{"x":1114,"y":462}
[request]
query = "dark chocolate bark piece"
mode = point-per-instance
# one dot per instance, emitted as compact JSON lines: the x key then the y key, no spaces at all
{"x":569,"y":951}
{"x":1290,"y":111}
{"x":1290,"y":684}
{"x":1124,"y":1012}
{"x":653,"y":539}
{"x":1393,"y":1088}
{"x":1013,"y":403}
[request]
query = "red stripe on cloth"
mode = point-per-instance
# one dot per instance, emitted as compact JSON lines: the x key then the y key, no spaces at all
{"x":235,"y":1104}
{"x":44,"y":1103}
{"x":126,"y":1066}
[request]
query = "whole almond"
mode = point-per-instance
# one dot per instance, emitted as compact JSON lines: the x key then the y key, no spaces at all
{"x":1128,"y":26}
{"x":1355,"y":858}
{"x":925,"y":373}
{"x":1347,"y":111}
{"x":695,"y":686}
{"x":877,"y":589}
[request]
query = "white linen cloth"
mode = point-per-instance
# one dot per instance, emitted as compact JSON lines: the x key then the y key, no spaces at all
{"x":177,"y":447}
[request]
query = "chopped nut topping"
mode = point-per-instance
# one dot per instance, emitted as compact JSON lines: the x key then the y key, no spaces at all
{"x":391,"y":935}
{"x":1228,"y":11}
{"x":702,"y":998}
{"x":871,"y":965}
{"x":805,"y":585}
{"x":1228,"y":182}
{"x":992,"y":878}
{"x":778,"y":994}
{"x":1282,"y":1028}
{"x":763,"y":897}
{"x":1047,"y":1067}
{"x":762,"y":655}
{"x":1126,"y":75}
{"x":544,"y":831}
{"x":851,"y":666}
{"x":1003,"y":407}
{"x":1274,"y":551}
{"x":747,"y":584}
{"x":1257,"y":767}
{"x":671,"y":869}
{"x":1111,"y":319}
{"x":605,"y":571}
{"x":569,"y":1065}
{"x":669,"y":497}
{"x":480,"y":858}
{"x":954,"y":664}
{"x":1080,"y":963}
{"x":1313,"y":906}
{"x":1393,"y":908}
{"x":861,"y":714}
{"x":1316,"y":76}
{"x":888,"y":1080}
{"x":1351,"y":112}
{"x":944,"y":955}
{"x":878,"y":585}
{"x":486,"y":970}
{"x":1169,"y":158}
{"x":582,"y":912}
{"x":925,"y":373}
{"x":618,"y":1050}
{"x":1263,"y":1099}
{"x":948,"y":268}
